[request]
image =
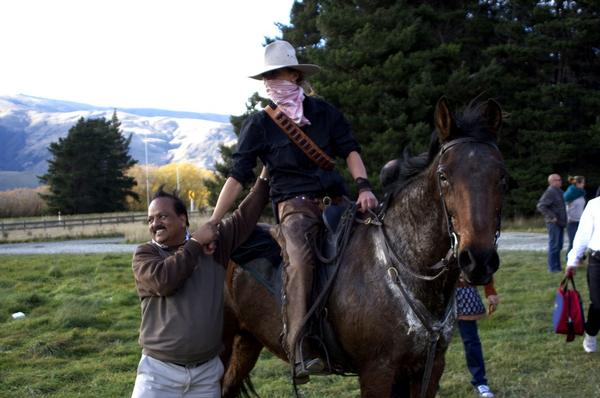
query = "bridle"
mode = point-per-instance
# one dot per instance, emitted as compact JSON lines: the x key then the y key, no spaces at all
{"x":433,"y":326}
{"x":454,"y":237}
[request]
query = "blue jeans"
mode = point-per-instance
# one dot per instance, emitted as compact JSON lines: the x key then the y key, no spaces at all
{"x":571,"y":230}
{"x":555,"y":244}
{"x":473,"y":351}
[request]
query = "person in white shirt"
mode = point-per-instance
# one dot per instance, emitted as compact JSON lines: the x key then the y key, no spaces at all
{"x":588,"y":237}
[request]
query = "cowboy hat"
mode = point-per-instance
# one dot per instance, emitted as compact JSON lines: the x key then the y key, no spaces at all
{"x":281,"y":54}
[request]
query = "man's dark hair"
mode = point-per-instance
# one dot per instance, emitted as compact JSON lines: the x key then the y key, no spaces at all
{"x":178,"y":204}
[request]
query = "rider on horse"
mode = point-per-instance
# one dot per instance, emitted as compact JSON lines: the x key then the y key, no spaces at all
{"x":300,"y":184}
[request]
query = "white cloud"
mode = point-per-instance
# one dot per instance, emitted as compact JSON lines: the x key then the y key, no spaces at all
{"x":189,"y":55}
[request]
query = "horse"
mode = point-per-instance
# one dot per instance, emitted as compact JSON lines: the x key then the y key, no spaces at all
{"x":391,"y":305}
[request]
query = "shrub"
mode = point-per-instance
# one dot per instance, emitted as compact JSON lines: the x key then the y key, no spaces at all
{"x":22,"y":202}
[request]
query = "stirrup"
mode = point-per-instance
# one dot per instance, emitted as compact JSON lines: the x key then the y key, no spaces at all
{"x":309,"y":367}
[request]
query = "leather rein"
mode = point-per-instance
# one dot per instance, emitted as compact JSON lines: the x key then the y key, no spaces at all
{"x":433,"y":326}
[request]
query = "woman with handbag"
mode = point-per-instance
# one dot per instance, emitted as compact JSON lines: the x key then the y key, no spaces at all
{"x":300,"y":183}
{"x":588,"y":237}
{"x":574,"y":198}
{"x":470,"y":309}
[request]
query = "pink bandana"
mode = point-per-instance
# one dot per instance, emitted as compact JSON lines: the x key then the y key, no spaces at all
{"x":288,"y":96}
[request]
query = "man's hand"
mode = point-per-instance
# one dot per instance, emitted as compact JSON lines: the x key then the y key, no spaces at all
{"x":570,"y":271}
{"x":493,"y":302}
{"x":205,"y":234}
{"x":210,"y":248}
{"x":366,"y":200}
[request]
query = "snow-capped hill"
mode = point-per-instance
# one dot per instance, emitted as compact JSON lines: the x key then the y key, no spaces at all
{"x":50,"y":105}
{"x":28,"y":125}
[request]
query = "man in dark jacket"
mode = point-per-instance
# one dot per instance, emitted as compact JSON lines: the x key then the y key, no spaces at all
{"x":179,"y":279}
{"x":552,"y":206}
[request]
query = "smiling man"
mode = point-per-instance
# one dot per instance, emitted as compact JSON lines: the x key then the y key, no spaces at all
{"x":179,"y":279}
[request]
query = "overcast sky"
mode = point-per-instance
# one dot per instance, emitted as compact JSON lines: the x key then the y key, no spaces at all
{"x":185,"y":55}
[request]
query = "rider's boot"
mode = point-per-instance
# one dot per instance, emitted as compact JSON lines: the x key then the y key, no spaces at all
{"x":298,"y":284}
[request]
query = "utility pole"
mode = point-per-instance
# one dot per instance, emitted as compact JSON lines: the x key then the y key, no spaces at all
{"x":147,"y":186}
{"x":177,"y":171}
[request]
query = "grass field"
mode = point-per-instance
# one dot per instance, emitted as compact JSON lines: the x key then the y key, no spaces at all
{"x":79,"y":336}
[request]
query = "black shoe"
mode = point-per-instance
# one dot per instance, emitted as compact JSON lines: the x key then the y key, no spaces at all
{"x":309,"y":367}
{"x":301,"y":380}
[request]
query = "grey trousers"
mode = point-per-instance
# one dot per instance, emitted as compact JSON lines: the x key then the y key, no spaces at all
{"x":158,"y":379}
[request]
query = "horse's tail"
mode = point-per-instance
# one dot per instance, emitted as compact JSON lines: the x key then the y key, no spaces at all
{"x":229,"y":275}
{"x":247,"y":388}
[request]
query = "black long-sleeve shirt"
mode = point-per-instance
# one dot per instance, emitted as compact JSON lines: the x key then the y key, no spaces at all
{"x":291,"y":172}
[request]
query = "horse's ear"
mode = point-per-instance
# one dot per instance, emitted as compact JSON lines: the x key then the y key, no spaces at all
{"x":443,"y":119}
{"x":493,"y":115}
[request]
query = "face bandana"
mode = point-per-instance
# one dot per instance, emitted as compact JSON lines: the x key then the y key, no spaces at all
{"x":288,"y":96}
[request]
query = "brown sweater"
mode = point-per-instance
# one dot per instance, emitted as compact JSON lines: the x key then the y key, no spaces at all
{"x":181,"y":288}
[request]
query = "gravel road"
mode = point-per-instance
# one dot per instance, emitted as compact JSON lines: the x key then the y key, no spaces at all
{"x":106,"y":245}
{"x":508,"y":241}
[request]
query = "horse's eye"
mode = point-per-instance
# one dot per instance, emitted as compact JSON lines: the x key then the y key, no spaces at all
{"x":443,"y":178}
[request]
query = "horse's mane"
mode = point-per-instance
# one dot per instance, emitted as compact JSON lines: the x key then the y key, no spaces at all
{"x":397,"y":173}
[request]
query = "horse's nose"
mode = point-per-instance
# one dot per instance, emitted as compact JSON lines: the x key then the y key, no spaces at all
{"x":478,"y":266}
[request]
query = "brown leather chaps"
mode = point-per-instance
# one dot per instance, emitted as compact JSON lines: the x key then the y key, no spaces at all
{"x":300,"y":220}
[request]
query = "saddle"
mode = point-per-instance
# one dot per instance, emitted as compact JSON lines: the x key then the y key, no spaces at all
{"x":260,"y":256}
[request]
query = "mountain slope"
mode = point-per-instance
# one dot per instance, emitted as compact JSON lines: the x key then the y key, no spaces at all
{"x":29,"y":124}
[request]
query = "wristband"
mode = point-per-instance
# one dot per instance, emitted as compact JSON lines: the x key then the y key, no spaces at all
{"x":363,"y":184}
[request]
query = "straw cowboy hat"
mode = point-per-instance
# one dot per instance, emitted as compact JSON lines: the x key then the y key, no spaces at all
{"x":281,"y":54}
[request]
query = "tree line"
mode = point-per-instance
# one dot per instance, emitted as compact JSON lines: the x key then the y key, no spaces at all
{"x":386,"y":63}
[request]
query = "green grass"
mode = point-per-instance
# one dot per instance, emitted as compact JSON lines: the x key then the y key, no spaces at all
{"x":79,"y":336}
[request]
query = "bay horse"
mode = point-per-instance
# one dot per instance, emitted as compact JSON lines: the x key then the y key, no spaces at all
{"x":392,"y":303}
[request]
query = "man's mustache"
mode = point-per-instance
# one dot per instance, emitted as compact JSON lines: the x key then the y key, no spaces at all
{"x":158,"y":228}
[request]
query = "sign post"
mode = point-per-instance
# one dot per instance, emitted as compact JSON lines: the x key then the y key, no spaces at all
{"x":191,"y":196}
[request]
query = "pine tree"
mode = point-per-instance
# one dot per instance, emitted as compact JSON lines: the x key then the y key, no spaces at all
{"x":385,"y":64}
{"x":548,"y":75}
{"x":87,"y":171}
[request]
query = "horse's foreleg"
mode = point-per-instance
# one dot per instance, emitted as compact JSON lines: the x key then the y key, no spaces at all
{"x":244,"y":354}
{"x":375,"y":381}
{"x":434,"y":381}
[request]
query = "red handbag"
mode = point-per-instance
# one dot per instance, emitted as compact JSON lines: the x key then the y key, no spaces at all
{"x":568,"y":315}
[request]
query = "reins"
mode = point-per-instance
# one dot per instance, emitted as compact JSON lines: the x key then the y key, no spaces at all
{"x":434,"y":327}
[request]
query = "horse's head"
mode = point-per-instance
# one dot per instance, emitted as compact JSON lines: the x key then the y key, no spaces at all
{"x":471,"y":177}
